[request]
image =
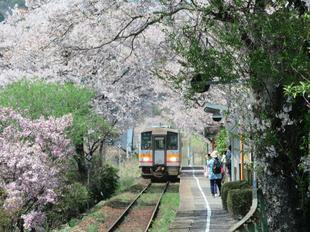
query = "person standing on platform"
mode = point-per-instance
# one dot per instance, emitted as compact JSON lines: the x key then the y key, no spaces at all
{"x":207,"y":160}
{"x":228,"y":161}
{"x":214,"y":173}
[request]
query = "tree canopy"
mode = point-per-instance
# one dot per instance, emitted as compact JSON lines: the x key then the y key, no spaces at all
{"x":38,"y":98}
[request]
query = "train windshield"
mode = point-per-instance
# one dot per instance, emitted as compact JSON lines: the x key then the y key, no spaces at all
{"x":159,"y":143}
{"x":146,"y":140}
{"x":172,"y":141}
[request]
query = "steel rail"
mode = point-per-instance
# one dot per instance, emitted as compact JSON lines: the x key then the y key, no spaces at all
{"x":126,"y":211}
{"x":156,"y":208}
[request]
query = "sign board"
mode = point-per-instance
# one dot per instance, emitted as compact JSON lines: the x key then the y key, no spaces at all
{"x":89,"y":157}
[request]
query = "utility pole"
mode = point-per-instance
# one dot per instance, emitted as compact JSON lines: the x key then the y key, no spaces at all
{"x":189,"y":153}
{"x":242,"y":157}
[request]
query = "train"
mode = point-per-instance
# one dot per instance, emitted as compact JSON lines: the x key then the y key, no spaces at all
{"x":160,"y":153}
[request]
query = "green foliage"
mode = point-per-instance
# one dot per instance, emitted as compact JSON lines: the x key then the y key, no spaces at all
{"x":221,"y":141}
{"x":92,"y":228}
{"x":229,"y":186}
{"x":301,"y":89}
{"x":103,"y":182}
{"x":73,"y":222}
{"x":208,"y":64}
{"x":38,"y":98}
{"x":97,"y":127}
{"x":98,"y":215}
{"x":72,"y":173}
{"x":74,"y":200}
{"x":239,"y":202}
{"x":129,"y":174}
{"x":275,"y":44}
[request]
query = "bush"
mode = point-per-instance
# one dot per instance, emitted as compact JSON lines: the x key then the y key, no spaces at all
{"x":239,"y":202}
{"x":229,"y":186}
{"x":74,"y":201}
{"x":103,"y":182}
{"x":129,"y":173}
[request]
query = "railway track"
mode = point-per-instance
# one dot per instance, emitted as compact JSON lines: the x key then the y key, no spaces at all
{"x":129,"y":219}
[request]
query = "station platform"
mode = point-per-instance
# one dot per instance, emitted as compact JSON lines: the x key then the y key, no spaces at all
{"x":199,"y":211}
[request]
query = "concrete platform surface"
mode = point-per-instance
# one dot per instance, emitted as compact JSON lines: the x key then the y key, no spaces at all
{"x":199,"y":211}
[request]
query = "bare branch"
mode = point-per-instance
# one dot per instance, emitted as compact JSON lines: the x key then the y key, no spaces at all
{"x":118,"y":79}
{"x":59,"y":38}
{"x":120,"y":35}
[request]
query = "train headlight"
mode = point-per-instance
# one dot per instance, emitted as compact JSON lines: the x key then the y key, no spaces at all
{"x":146,"y":159}
{"x":173,"y":159}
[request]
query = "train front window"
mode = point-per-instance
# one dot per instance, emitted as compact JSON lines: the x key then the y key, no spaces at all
{"x":172,"y":141}
{"x":146,"y":140}
{"x":159,"y":143}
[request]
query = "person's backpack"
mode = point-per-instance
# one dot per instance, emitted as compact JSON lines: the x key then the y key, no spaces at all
{"x":217,"y":166}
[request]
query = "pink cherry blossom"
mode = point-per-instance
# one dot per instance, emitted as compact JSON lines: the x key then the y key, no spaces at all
{"x":68,"y":35}
{"x":33,"y":219}
{"x":30,"y":151}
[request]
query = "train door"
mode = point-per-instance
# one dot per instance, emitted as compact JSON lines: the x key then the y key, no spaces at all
{"x":159,"y":148}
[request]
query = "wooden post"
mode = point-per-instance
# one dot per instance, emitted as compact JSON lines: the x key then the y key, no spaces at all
{"x":241,"y":158}
{"x":213,"y":144}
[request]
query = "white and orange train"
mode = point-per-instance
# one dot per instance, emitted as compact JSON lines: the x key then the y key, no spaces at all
{"x":160,"y":153}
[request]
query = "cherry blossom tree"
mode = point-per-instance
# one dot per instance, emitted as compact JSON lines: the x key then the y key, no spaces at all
{"x":89,"y":43}
{"x":32,"y":158}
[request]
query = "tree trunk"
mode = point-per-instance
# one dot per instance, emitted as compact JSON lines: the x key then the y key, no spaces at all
{"x":80,"y":160}
{"x":278,"y":153}
{"x":102,"y":151}
{"x":20,"y":224}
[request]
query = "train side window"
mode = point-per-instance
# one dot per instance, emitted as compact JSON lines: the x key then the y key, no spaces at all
{"x":172,"y":141}
{"x":159,"y":143}
{"x":146,"y":140}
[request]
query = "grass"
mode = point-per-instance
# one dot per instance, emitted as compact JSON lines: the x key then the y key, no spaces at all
{"x":73,"y":222}
{"x":167,"y":210}
{"x":99,"y":216}
{"x":121,"y":200}
{"x":129,"y":174}
{"x":148,"y":199}
{"x":92,"y":228}
{"x":125,"y":196}
{"x":66,"y":229}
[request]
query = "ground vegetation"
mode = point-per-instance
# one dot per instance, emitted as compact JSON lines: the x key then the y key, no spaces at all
{"x":57,"y":187}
